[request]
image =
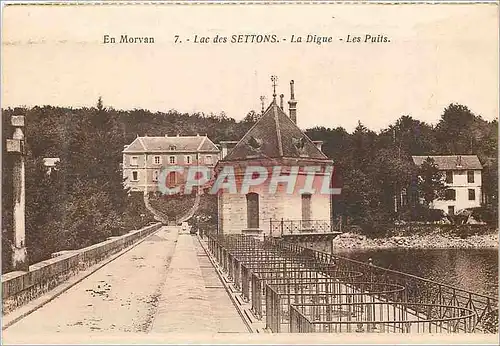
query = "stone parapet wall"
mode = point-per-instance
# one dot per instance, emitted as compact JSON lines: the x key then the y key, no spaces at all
{"x":19,"y":287}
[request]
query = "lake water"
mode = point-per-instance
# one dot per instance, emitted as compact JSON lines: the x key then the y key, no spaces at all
{"x":470,"y":269}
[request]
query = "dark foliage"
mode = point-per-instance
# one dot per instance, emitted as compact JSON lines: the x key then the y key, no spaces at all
{"x":83,"y":201}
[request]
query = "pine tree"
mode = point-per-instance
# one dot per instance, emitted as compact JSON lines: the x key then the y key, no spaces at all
{"x":430,"y":183}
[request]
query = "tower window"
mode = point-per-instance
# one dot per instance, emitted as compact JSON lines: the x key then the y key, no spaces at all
{"x":252,"y":210}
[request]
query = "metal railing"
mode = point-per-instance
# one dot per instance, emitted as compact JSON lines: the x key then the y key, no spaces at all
{"x":278,"y":228}
{"x":418,"y":289}
{"x":424,"y":305}
{"x":379,"y":317}
{"x":279,"y":297}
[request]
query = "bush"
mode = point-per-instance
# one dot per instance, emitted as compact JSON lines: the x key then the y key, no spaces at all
{"x":484,"y":214}
{"x":422,"y":214}
{"x":376,"y":224}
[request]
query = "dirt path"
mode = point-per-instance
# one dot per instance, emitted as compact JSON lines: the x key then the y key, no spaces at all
{"x":121,"y":296}
{"x":165,"y":284}
{"x":193,"y":299}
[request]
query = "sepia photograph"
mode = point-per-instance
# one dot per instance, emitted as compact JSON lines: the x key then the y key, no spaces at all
{"x":223,"y":172}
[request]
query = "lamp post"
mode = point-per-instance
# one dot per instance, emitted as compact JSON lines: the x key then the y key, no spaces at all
{"x":15,"y":146}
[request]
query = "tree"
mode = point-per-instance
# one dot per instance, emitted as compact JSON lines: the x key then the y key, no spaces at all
{"x":361,"y":147}
{"x":430,"y":181}
{"x":252,"y":117}
{"x":490,"y":186}
{"x":100,"y":105}
{"x":413,"y":137}
{"x":453,"y":132}
{"x":392,"y":171}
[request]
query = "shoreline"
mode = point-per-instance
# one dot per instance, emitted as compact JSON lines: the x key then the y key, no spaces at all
{"x":353,"y":242}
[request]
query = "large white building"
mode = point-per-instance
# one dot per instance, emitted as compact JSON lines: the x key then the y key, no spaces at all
{"x":462,"y":174}
{"x":144,"y":158}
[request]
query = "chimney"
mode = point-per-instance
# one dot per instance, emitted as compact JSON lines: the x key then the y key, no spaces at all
{"x":281,"y":101}
{"x":292,"y":104}
{"x":224,"y":150}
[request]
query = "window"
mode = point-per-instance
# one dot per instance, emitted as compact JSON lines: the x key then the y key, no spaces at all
{"x":450,"y":195}
{"x":134,"y":160}
{"x":472,"y":195}
{"x":157,"y":160}
{"x":306,"y":211}
{"x":155,"y":175}
{"x":172,"y":147}
{"x":449,"y":177}
{"x":208,"y":159}
{"x":187,"y":158}
{"x":135,"y":176}
{"x":470,"y":177}
{"x":252,"y":210}
{"x":172,"y":160}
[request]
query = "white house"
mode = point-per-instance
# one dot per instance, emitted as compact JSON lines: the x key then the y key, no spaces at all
{"x":51,"y":163}
{"x":462,"y":175}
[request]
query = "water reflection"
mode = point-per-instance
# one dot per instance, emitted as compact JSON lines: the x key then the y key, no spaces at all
{"x":470,"y":269}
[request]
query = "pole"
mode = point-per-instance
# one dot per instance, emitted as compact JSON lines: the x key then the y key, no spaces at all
{"x":16,"y":147}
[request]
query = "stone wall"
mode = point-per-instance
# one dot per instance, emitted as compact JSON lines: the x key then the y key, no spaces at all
{"x":423,"y":228}
{"x":275,"y":206}
{"x":19,"y":287}
{"x":426,"y":228}
{"x":322,"y":243}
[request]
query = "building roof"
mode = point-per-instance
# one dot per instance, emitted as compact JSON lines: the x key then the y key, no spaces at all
{"x":165,"y":144}
{"x":451,"y":162}
{"x":275,"y":135}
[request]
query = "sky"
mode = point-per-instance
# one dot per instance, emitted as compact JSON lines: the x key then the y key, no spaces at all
{"x":437,"y":55}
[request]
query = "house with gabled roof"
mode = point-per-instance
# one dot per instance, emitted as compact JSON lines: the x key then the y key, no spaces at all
{"x":277,"y":143}
{"x":144,"y":158}
{"x":463,"y":180}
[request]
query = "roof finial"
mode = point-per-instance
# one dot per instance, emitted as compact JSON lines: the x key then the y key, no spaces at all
{"x":292,"y":104}
{"x":262,"y":98}
{"x":274,"y":79}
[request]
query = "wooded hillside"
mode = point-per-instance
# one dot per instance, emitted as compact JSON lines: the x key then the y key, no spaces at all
{"x":83,"y":201}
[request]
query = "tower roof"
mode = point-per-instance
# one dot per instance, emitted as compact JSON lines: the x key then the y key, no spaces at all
{"x":274,"y":136}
